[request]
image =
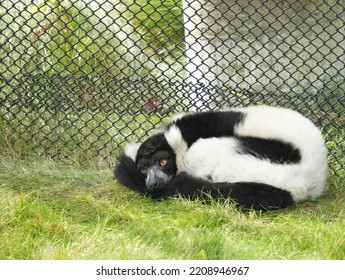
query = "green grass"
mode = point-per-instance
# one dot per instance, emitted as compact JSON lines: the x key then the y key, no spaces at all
{"x":54,"y":210}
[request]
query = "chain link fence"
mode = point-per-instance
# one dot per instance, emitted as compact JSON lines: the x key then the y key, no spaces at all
{"x":90,"y":75}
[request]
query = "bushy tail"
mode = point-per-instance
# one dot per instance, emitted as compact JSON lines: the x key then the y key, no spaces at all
{"x":247,"y":195}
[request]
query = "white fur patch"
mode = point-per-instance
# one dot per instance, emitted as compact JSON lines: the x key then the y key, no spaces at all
{"x":176,"y":142}
{"x":131,"y":150}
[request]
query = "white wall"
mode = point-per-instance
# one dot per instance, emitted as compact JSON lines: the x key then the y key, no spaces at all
{"x":264,"y":45}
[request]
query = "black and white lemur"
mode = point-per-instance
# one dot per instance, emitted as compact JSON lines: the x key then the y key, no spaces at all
{"x":260,"y":157}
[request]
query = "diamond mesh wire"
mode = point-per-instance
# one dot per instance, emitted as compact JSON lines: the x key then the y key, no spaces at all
{"x":91,"y":75}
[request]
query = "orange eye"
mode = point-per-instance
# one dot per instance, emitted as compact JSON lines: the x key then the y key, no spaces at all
{"x":163,"y":162}
{"x":143,"y":170}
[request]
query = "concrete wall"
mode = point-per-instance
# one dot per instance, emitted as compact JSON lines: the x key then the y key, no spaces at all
{"x":265,"y":45}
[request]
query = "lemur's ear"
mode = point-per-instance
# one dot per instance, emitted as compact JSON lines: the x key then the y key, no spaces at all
{"x":131,"y":150}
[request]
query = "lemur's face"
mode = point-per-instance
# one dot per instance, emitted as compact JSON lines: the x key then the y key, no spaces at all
{"x":157,"y":170}
{"x":156,"y":162}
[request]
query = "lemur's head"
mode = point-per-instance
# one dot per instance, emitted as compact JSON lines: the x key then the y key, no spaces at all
{"x":156,"y":162}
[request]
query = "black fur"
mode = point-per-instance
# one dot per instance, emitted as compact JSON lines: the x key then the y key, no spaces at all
{"x":153,"y":145}
{"x":273,"y":150}
{"x":247,"y":195}
{"x":208,"y":124}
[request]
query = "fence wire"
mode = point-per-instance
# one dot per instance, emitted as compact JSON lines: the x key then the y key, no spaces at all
{"x":90,"y":75}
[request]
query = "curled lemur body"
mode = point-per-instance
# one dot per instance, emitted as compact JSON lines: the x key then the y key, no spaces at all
{"x":261,"y":157}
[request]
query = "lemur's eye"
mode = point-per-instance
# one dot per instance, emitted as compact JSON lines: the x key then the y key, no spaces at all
{"x":163,"y":162}
{"x":143,"y":170}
